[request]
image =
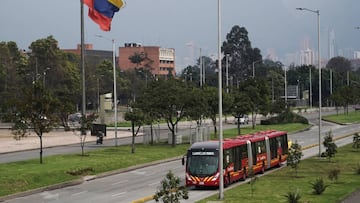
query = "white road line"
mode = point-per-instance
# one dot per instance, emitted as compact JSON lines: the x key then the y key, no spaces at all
{"x":79,"y":193}
{"x":138,"y":172}
{"x":120,"y":182}
{"x":118,"y":194}
{"x":152,"y":184}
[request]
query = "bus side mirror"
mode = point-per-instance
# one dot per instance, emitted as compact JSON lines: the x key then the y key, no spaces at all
{"x":183,"y":160}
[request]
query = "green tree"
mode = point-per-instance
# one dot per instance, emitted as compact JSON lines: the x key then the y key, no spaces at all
{"x":294,"y":157}
{"x":340,"y":68}
{"x":258,"y":92}
{"x":169,"y":99}
{"x":198,"y":106}
{"x":345,"y":96}
{"x":59,"y":73}
{"x":329,"y":144}
{"x":170,"y":190}
{"x":212,"y":96}
{"x":240,"y":107}
{"x":136,"y":116}
{"x":82,"y":131}
{"x":242,"y":55}
{"x":36,"y":109}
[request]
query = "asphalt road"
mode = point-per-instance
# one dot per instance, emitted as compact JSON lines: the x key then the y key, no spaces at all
{"x":144,"y":182}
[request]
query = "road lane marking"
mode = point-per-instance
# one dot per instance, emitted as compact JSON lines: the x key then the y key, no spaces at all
{"x":138,"y":172}
{"x":152,"y":184}
{"x":120,"y":182}
{"x":79,"y":193}
{"x":118,"y":194}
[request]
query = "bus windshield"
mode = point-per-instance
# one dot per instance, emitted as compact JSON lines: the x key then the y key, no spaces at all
{"x":202,"y":165}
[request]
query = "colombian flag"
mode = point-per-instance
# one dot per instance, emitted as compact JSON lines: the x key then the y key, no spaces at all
{"x":102,"y":11}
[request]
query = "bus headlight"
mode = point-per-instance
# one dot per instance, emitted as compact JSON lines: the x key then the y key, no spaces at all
{"x":216,"y":176}
{"x":187,"y":176}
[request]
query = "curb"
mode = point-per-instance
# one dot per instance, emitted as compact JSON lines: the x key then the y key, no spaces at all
{"x":89,"y":178}
{"x":42,"y":189}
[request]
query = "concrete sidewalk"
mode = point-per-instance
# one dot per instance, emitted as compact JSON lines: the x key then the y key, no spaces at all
{"x":8,"y":143}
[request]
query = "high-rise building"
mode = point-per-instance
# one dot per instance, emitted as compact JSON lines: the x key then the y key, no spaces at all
{"x":307,"y":57}
{"x":331,"y":44}
{"x":159,"y":61}
{"x":356,"y":54}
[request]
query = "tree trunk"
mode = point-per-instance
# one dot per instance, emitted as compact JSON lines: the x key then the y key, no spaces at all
{"x":151,"y":134}
{"x":238,"y":125}
{"x":133,"y":137}
{"x":41,"y":148}
{"x":215,"y":129}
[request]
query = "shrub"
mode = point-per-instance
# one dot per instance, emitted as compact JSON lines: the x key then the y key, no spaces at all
{"x":329,"y":144}
{"x":319,"y":186}
{"x":294,"y":156}
{"x":170,"y":190}
{"x":80,"y":171}
{"x":356,"y":141}
{"x":285,"y":117}
{"x":334,"y":174}
{"x":293,"y":197}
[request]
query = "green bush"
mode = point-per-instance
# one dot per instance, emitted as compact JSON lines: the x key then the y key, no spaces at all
{"x":319,"y":186}
{"x":285,"y":117}
{"x":293,"y":197}
{"x":81,"y":171}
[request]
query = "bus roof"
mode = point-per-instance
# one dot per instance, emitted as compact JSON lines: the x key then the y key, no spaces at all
{"x":238,"y":141}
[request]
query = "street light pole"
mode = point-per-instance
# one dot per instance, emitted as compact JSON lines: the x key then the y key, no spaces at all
{"x":310,"y":88}
{"x":82,"y":55}
{"x":201,"y":70}
{"x":115,"y":94}
{"x":221,"y":155}
{"x":319,"y":67}
{"x":285,"y":83}
{"x":227,"y":73}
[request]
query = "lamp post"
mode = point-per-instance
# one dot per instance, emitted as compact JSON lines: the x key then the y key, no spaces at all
{"x":221,"y":154}
{"x":310,"y":88}
{"x":285,"y":86}
{"x":227,"y":73}
{"x":115,"y":94}
{"x":317,"y":12}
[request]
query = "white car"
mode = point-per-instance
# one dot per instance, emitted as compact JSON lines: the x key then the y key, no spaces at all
{"x":243,"y":120}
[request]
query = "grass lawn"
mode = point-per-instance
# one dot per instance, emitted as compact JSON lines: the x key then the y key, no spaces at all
{"x":25,"y":175}
{"x":272,"y":187}
{"x":341,"y":117}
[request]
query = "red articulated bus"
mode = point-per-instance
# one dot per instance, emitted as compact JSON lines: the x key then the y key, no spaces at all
{"x":259,"y":152}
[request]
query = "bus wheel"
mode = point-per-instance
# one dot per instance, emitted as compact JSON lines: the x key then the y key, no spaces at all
{"x":279,"y":164}
{"x":263,"y":168}
{"x":226,"y":180}
{"x":244,"y":174}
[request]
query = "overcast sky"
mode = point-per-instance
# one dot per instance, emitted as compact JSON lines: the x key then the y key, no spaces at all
{"x":187,"y":25}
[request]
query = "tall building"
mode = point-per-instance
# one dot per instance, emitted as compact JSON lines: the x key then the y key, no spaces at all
{"x":159,"y":61}
{"x":306,"y":57}
{"x":356,"y":54}
{"x":331,"y":44}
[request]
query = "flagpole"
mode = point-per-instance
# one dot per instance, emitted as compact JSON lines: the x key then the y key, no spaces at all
{"x":83,"y":109}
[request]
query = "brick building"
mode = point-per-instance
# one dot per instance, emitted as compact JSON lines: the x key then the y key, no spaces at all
{"x":159,"y":61}
{"x":92,"y":56}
